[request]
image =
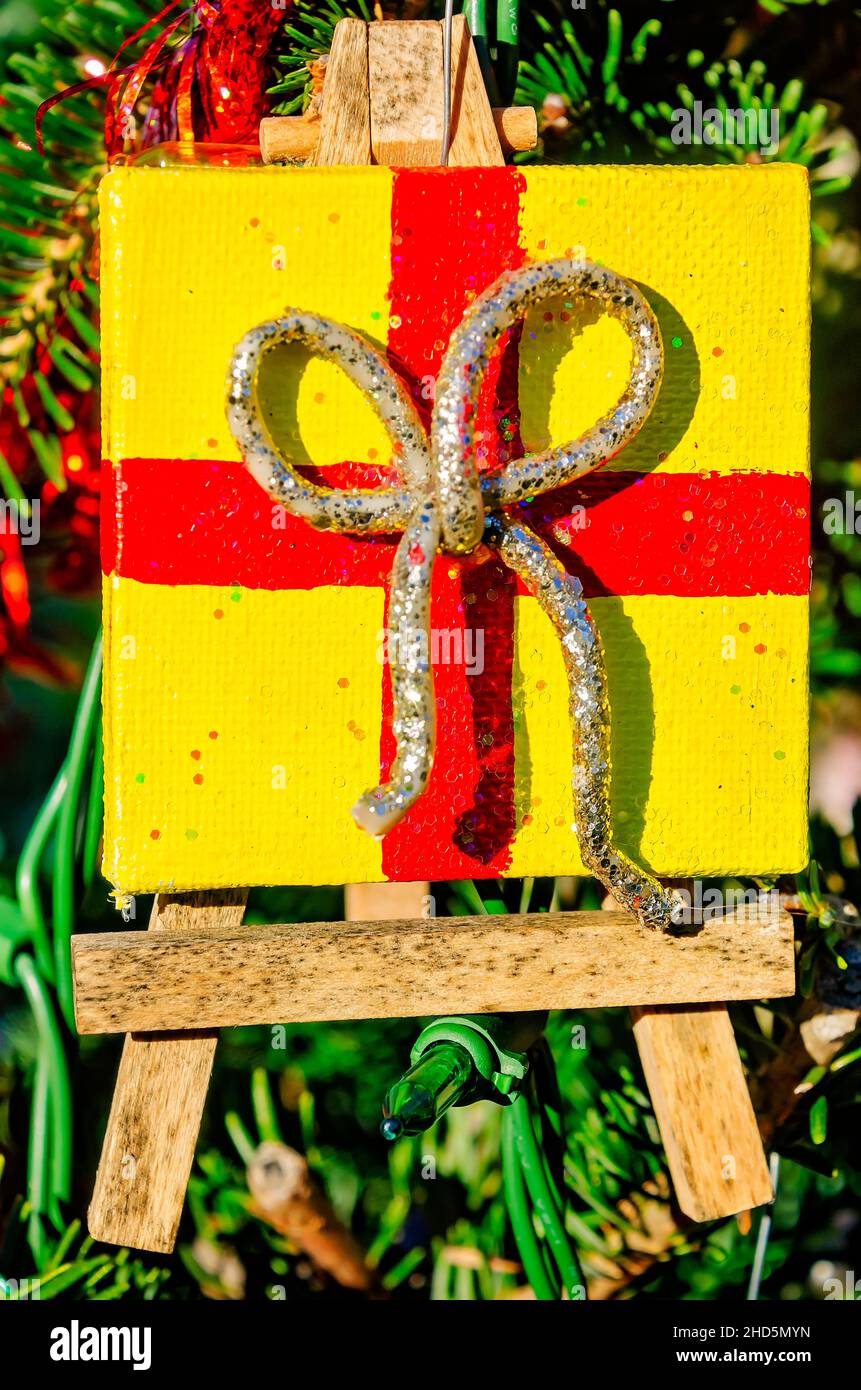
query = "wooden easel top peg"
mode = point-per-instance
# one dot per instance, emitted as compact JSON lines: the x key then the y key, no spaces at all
{"x":383,"y":104}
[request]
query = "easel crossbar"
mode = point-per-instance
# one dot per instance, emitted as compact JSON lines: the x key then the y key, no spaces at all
{"x":223,"y":977}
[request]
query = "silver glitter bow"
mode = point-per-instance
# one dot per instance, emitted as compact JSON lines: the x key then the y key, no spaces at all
{"x":441,"y":501}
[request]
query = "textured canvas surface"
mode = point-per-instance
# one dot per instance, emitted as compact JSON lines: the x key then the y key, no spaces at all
{"x":246,"y":702}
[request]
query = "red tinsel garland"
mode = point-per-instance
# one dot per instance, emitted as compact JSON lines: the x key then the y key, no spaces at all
{"x":209,"y":85}
{"x":232,"y":69}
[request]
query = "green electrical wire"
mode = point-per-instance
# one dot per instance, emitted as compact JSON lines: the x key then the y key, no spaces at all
{"x":59,"y":1103}
{"x":545,"y":1200}
{"x":507,"y":48}
{"x":27,"y":875}
{"x":75,"y":825}
{"x":549,"y":1108}
{"x":38,"y":1181}
{"x":476,"y":17}
{"x":475,"y":13}
{"x":70,"y":814}
{"x":80,"y":745}
{"x":544,"y":1285}
{"x":94,"y":813}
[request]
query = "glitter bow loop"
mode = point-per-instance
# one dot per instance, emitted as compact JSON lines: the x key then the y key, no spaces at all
{"x":462,"y":493}
{"x":440,"y":500}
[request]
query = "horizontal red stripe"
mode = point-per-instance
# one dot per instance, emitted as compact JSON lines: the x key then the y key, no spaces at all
{"x":169,"y":521}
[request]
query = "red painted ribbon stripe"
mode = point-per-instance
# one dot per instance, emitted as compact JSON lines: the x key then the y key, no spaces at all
{"x":689,"y":535}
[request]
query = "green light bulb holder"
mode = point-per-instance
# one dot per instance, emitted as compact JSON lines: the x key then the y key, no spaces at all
{"x":498,"y":1046}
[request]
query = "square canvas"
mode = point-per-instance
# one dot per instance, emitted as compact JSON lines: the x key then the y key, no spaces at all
{"x":247,"y":701}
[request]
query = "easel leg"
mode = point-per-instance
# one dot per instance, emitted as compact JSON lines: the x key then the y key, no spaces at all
{"x":386,"y":902}
{"x":157,"y":1107}
{"x":703,"y":1108}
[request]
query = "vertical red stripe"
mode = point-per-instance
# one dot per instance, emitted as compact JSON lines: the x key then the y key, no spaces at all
{"x":453,"y":233}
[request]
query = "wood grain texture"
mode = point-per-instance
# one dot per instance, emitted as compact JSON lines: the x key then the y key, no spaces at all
{"x":405,"y":64}
{"x":473,"y":134}
{"x":516,"y":128}
{"x":287,"y":139}
{"x":704,"y":1111}
{"x":221,"y":977}
{"x":405,"y":80}
{"x":294,"y":138}
{"x":158,"y":1103}
{"x":345,"y":120}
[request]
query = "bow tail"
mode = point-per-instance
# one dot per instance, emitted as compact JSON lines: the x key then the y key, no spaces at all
{"x":408,"y":647}
{"x":561,"y":598}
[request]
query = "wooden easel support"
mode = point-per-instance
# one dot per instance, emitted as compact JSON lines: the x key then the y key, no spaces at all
{"x":225,"y":975}
{"x":294,"y":139}
{"x":198,"y":969}
{"x":158,"y":1104}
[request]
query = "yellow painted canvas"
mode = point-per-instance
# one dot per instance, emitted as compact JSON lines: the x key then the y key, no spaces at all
{"x":247,"y":698}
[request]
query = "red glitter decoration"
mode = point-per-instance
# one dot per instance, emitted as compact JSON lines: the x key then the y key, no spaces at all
{"x":208,"y":68}
{"x":232,"y":59}
{"x":64,"y":519}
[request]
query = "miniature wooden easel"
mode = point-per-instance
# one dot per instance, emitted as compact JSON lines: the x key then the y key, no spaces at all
{"x":198,"y":969}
